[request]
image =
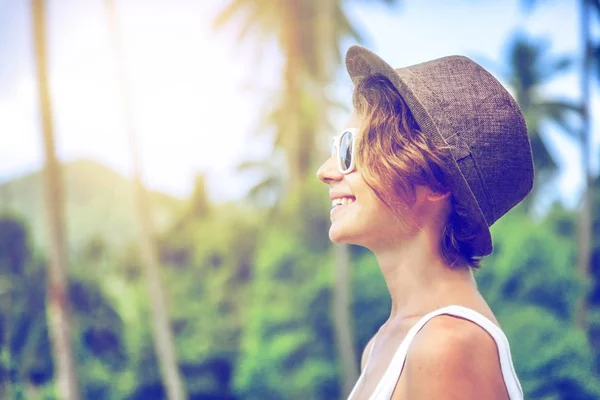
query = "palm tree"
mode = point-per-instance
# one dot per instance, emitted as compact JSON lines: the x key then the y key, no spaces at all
{"x":295,"y":26}
{"x":162,"y":335}
{"x":309,"y":34}
{"x":592,"y":186}
{"x":590,"y":56}
{"x":59,"y":316}
{"x":529,"y":69}
{"x":342,"y":296}
{"x":585,"y":216}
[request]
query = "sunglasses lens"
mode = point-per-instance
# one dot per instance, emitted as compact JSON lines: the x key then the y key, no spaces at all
{"x":346,"y":150}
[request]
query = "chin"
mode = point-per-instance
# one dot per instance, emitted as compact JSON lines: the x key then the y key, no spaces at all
{"x":336,"y":239}
{"x":340,"y":236}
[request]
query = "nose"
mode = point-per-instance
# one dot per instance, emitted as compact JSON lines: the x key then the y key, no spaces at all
{"x":329,"y":171}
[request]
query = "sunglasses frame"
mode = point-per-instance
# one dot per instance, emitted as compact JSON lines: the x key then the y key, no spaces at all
{"x":337,"y":141}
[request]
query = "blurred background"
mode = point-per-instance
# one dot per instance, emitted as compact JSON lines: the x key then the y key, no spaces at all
{"x":162,"y":231}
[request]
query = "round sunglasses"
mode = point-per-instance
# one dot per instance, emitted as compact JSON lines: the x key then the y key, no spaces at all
{"x":343,"y":150}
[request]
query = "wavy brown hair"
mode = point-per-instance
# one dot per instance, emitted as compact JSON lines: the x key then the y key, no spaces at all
{"x":394,"y":157}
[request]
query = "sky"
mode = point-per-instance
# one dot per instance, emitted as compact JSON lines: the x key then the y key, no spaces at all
{"x":197,"y":96}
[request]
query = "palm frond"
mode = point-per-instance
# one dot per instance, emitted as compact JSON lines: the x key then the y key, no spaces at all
{"x":596,"y":58}
{"x":554,"y":67}
{"x":541,"y":155}
{"x":248,"y":165}
{"x":566,"y":105}
{"x":249,"y":24}
{"x":270,"y":186}
{"x":345,"y":27}
{"x":523,"y":54}
{"x":528,"y":5}
{"x":530,"y":67}
{"x":390,"y":3}
{"x":234,"y":8}
{"x":563,"y":113}
{"x":260,"y":18}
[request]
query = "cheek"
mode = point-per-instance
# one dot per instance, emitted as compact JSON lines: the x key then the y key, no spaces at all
{"x":389,"y":221}
{"x":373,"y":210}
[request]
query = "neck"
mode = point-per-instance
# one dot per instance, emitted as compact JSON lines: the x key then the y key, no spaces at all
{"x":418,"y":278}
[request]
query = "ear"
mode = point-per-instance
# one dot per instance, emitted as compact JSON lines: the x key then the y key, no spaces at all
{"x":435,"y":196}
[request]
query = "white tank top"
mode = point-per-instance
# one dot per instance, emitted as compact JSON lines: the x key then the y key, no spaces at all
{"x":388,"y":382}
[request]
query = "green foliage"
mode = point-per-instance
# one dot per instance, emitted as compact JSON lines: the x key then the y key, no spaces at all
{"x":552,"y":357}
{"x":250,"y":301}
{"x":530,"y":264}
{"x":288,"y":335}
{"x":371,"y":305}
{"x":530,"y":66}
{"x":532,"y":284}
{"x":209,"y":269}
{"x":25,"y":352}
{"x":26,"y":358}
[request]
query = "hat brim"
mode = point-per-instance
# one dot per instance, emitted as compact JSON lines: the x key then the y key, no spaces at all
{"x":361,"y":62}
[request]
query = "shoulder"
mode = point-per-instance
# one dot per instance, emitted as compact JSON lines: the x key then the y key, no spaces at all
{"x":453,"y":358}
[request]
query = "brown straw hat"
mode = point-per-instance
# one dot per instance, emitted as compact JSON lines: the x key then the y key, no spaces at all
{"x":459,"y":104}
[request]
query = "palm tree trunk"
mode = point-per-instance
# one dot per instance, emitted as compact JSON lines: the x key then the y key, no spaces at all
{"x":293,"y":76}
{"x":162,"y":335}
{"x":585,"y":217}
{"x":342,"y":317}
{"x":59,"y":318}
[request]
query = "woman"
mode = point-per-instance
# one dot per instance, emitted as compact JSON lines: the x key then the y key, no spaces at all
{"x":431,"y":157}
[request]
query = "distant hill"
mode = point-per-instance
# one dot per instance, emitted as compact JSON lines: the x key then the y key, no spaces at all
{"x":99,"y":203}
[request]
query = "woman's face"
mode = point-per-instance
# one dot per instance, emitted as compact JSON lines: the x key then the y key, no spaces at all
{"x":362,"y":219}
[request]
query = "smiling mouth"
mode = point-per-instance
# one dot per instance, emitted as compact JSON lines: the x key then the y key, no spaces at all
{"x":342,"y":201}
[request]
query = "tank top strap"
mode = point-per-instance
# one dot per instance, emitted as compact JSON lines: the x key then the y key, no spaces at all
{"x":387,"y":384}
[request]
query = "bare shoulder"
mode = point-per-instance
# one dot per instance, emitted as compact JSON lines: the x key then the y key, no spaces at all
{"x":453,"y":358}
